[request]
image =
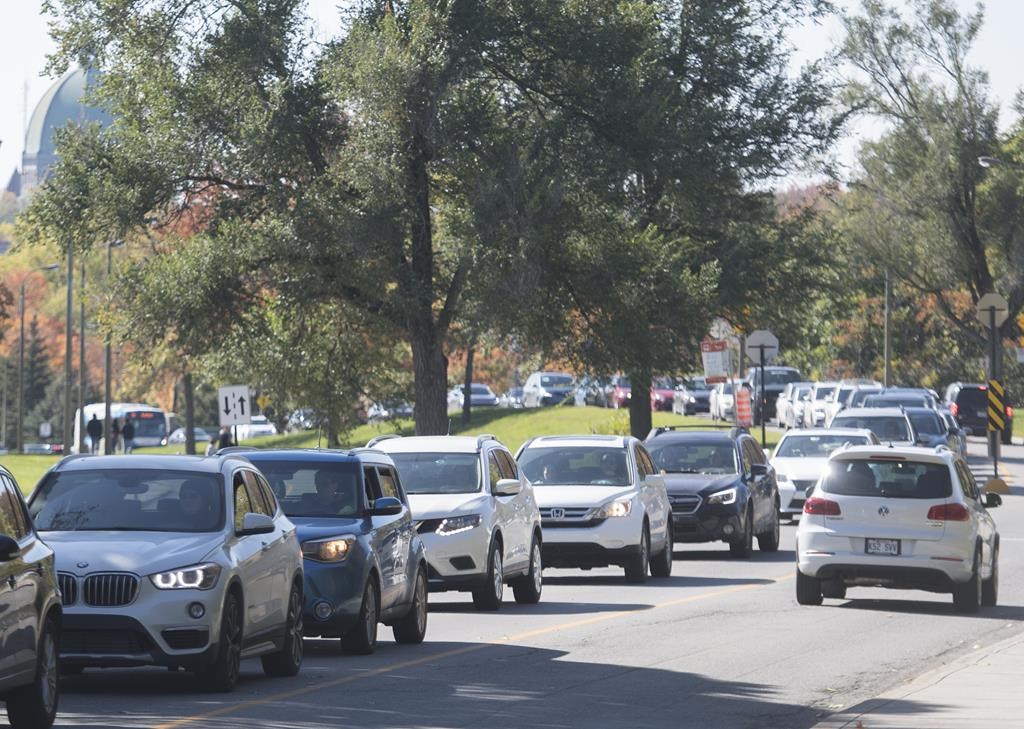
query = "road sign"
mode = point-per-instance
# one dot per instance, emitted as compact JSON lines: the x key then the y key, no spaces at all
{"x":760,"y":341}
{"x":234,"y":405}
{"x":989,"y":304}
{"x":715,"y":355}
{"x":996,"y":406}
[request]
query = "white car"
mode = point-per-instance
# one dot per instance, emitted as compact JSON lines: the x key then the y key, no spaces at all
{"x":721,"y":402}
{"x":602,"y":503}
{"x":784,"y":402}
{"x":838,"y":402}
{"x":816,"y":409}
{"x":905,"y":518}
{"x":475,"y":512}
{"x":258,"y":427}
{"x":547,"y":388}
{"x":800,"y":459}
{"x":172,"y":561}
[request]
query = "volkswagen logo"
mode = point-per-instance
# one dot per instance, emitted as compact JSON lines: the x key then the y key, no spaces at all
{"x":883,"y":511}
{"x":558,"y":513}
{"x":82,"y":565}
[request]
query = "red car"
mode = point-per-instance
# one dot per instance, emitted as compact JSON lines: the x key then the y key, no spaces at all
{"x":663,"y":392}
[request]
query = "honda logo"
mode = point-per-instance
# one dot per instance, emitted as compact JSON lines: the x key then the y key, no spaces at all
{"x":883,"y":511}
{"x":558,"y":513}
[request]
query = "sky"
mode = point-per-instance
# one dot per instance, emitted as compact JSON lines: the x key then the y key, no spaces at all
{"x":25,"y":44}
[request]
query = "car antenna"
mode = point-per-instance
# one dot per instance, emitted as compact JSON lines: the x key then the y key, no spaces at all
{"x":319,"y":430}
{"x":449,"y":426}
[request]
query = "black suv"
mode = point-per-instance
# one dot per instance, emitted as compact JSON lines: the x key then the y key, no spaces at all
{"x":720,"y":486}
{"x":30,"y":615}
{"x":968,"y":401}
{"x":775,"y":381}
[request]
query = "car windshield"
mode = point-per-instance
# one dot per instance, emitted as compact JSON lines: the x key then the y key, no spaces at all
{"x":479,"y":389}
{"x":147,"y":424}
{"x":556,"y":380}
{"x":886,"y":427}
{"x":859,"y":396}
{"x":129,"y":499}
{"x":820,"y":393}
{"x":927,"y":423}
{"x":895,"y":479}
{"x":815,"y":446}
{"x":894,"y":401}
{"x":438,"y":473}
{"x":577,"y":465}
{"x":844,"y":392}
{"x":802,"y":393}
{"x":313,"y":488}
{"x":780,"y":377}
{"x":700,"y":386}
{"x":694,"y":457}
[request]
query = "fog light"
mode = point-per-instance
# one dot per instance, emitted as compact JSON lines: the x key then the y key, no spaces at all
{"x":728,"y":529}
{"x":196,"y":610}
{"x":322,"y":610}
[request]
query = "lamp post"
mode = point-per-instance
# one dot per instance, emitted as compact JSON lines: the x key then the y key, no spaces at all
{"x":69,"y":413}
{"x":108,"y":444}
{"x":21,"y":359}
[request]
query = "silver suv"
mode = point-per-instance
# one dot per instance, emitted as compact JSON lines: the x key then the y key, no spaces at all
{"x":475,"y":512}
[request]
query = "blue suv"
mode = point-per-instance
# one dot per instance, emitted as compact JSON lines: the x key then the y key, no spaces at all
{"x":364,"y":563}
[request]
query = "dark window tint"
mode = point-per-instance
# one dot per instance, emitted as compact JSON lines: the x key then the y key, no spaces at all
{"x":693,"y":456}
{"x":576,"y":465}
{"x":256,"y":498}
{"x":11,"y":524}
{"x":268,"y":494}
{"x":754,"y":452}
{"x":927,"y":423}
{"x":372,"y":484}
{"x":243,"y":505}
{"x":815,"y":446}
{"x":438,"y":473}
{"x":388,"y":482}
{"x":493,"y":470}
{"x":507,"y":464}
{"x":973,"y":398}
{"x":888,"y":479}
{"x":20,"y":515}
{"x":859,"y":396}
{"x":644,"y":462}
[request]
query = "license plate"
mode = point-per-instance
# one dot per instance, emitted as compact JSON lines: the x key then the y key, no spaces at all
{"x":883,"y":546}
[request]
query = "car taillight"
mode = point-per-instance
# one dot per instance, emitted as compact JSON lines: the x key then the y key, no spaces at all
{"x":954,"y":408}
{"x":949,"y":512}
{"x":821,"y":507}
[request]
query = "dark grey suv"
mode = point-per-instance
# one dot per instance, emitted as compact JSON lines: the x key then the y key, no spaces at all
{"x":30,"y":616}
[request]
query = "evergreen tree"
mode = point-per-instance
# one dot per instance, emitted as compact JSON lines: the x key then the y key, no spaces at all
{"x":38,"y":374}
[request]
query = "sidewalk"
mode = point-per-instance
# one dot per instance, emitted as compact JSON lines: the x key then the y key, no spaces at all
{"x":980,"y":689}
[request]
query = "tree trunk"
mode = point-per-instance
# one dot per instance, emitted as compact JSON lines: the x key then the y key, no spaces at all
{"x":430,"y":371}
{"x":467,"y":388}
{"x":640,"y":420}
{"x":190,"y":414}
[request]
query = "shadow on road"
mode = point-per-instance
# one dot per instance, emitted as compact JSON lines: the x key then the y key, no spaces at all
{"x":684,"y":554}
{"x":676,"y":580}
{"x":927,"y":607}
{"x":542,"y":608}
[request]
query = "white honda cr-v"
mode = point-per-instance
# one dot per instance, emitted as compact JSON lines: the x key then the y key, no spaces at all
{"x":906,"y":518}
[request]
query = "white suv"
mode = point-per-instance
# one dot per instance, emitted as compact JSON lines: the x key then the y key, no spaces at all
{"x":172,"y":561}
{"x":906,"y":518}
{"x":602,"y":503}
{"x":474,"y":511}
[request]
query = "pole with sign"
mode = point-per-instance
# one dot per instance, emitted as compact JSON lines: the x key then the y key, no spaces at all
{"x":992,"y":312}
{"x":766,"y":345}
{"x":714,"y":354}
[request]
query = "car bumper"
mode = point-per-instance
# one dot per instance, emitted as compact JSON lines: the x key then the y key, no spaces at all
{"x":586,"y":554}
{"x":339,"y":586}
{"x":456,"y":561}
{"x":117,"y":640}
{"x":608,"y":542}
{"x":706,"y":525}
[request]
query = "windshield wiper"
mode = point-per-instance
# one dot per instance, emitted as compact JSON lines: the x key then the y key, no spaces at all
{"x":684,"y":470}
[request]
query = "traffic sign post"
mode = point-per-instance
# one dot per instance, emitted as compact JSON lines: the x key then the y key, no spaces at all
{"x":993,"y":310}
{"x":234,"y":405}
{"x":767,"y":346}
{"x":714,"y":354}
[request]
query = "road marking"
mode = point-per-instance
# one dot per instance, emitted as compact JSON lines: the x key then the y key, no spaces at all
{"x":505,"y":640}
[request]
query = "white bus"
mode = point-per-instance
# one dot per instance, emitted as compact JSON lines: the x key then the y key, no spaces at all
{"x":150,"y":422}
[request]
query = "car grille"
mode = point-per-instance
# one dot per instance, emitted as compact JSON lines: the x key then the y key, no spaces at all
{"x":68,"y":588}
{"x":567,"y":512}
{"x":684,"y":503}
{"x":110,"y":590}
{"x":186,"y":638}
{"x":103,"y":642}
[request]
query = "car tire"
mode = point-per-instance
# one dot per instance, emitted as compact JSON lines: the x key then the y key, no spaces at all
{"x":833,"y":589}
{"x":967,"y":596}
{"x":990,"y":587}
{"x":288,"y":660}
{"x":636,"y":568}
{"x":769,"y":541}
{"x":744,"y":546}
{"x":34,"y":706}
{"x":527,"y":588}
{"x":808,"y":589}
{"x":489,"y":595}
{"x":412,"y":628}
{"x":661,"y":563}
{"x":222,"y":675}
{"x":361,"y":639}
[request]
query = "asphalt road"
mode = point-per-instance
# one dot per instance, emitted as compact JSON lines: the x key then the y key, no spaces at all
{"x":722,"y":643}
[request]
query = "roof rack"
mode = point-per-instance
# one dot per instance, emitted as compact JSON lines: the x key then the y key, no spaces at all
{"x":483,"y":437}
{"x":374,"y":441}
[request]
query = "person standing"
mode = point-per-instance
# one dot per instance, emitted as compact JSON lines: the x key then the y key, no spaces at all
{"x":225,"y":440}
{"x":115,"y":434}
{"x":128,"y":433}
{"x":95,"y":430}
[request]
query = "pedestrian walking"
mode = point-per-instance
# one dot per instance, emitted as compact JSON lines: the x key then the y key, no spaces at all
{"x":225,"y":440}
{"x":95,"y":430}
{"x":128,"y":433}
{"x":115,"y":434}
{"x":213,"y":445}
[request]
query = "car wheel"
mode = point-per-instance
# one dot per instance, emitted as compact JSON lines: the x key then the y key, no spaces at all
{"x":744,"y":546}
{"x":222,"y":674}
{"x":412,"y":628}
{"x":967,"y":597}
{"x":527,"y":588}
{"x":488,"y":596}
{"x":769,"y":541}
{"x":808,"y":589}
{"x":361,"y":640}
{"x":35,"y":706}
{"x":990,"y":587}
{"x":661,"y":563}
{"x":636,"y":568}
{"x":834,"y":589}
{"x":288,"y":660}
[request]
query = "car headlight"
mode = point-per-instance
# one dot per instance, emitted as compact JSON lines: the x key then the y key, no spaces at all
{"x":692,"y":399}
{"x":335,"y":549}
{"x":196,"y":577}
{"x":612,"y":509}
{"x":458,"y":524}
{"x":723,"y":497}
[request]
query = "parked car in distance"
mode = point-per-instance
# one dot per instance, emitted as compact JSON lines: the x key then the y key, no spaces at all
{"x":838,"y":402}
{"x":903,"y":518}
{"x":363,"y":562}
{"x":512,"y":398}
{"x":595,"y":390}
{"x":258,"y":427}
{"x":817,"y":408}
{"x":173,"y":561}
{"x":200,"y":435}
{"x":800,"y":459}
{"x":620,"y":392}
{"x":720,"y":486}
{"x":547,"y":388}
{"x":476,"y":513}
{"x":30,"y":616}
{"x":890,"y":425}
{"x":602,"y":503}
{"x":722,"y":400}
{"x":775,"y":380}
{"x":968,"y":401}
{"x":662,"y":393}
{"x":693,"y":396}
{"x":786,"y":402}
{"x":959,"y":432}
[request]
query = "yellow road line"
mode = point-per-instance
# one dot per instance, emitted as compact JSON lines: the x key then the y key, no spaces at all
{"x":526,"y":635}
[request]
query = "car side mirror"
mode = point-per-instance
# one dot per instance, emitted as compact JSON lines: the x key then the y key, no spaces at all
{"x":758,"y":469}
{"x":993,"y":500}
{"x":386,"y":506}
{"x":507,"y":487}
{"x":255,"y":524}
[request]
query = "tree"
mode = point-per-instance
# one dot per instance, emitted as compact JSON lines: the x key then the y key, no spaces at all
{"x":38,"y":375}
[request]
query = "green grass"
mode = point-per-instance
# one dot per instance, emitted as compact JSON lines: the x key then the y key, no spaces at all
{"x":511,"y":427}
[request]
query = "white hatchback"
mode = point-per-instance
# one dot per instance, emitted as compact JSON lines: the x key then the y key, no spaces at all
{"x":602,"y":502}
{"x":905,"y":518}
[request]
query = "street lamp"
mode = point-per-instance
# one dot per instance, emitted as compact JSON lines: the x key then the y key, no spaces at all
{"x":108,"y":444}
{"x":21,"y":358}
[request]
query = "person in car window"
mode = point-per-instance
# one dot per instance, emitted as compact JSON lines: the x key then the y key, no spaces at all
{"x":335,"y":495}
{"x":195,"y":502}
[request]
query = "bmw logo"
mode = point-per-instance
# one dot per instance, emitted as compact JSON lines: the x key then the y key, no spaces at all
{"x":82,"y":565}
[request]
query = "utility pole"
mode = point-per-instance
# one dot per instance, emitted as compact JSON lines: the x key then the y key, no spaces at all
{"x":81,"y":356}
{"x":69,"y":413}
{"x":887,"y":379}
